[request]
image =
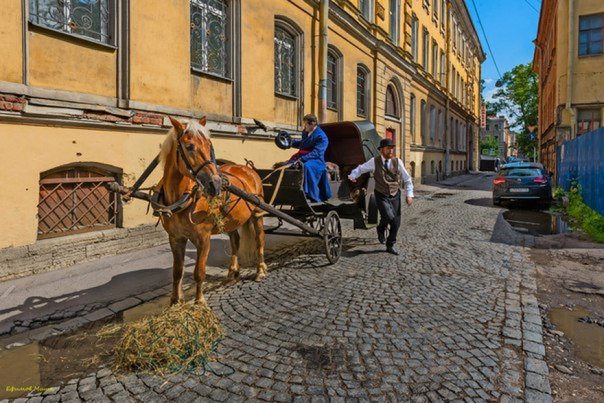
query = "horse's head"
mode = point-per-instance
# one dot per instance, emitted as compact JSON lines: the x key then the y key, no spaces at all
{"x":195,"y":156}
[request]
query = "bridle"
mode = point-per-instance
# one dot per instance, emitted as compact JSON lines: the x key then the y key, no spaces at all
{"x":206,"y":161}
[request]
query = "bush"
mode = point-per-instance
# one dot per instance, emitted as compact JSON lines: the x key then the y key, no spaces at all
{"x":587,"y":218}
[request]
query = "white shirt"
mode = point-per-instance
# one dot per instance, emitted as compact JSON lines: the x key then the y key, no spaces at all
{"x":369,"y":166}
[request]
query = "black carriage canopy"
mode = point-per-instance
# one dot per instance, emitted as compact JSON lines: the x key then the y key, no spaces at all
{"x":351,"y":143}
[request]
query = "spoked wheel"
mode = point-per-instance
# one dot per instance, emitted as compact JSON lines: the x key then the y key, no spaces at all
{"x":332,"y":237}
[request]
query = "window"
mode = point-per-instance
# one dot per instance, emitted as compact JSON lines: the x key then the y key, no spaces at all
{"x":209,"y":38}
{"x":432,"y":167}
{"x":412,"y":108}
{"x":90,"y":19}
{"x":333,"y":78}
{"x":286,"y":60}
{"x":443,"y":10}
{"x":453,"y":82}
{"x":434,"y":60}
{"x":591,"y":30}
{"x":426,"y":49}
{"x":454,"y":32}
{"x":432,"y":123}
{"x":392,"y":103}
{"x":414,"y":37}
{"x":588,"y":120}
{"x":441,"y":126}
{"x":395,"y":16}
{"x":366,"y":8}
{"x":443,"y":71}
{"x":362,"y":91}
{"x":422,"y":121}
{"x":435,"y":9}
{"x":74,"y":199}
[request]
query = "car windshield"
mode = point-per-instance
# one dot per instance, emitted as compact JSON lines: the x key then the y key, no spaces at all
{"x":520,"y":172}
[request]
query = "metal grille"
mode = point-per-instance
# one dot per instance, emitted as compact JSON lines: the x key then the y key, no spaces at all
{"x":75,"y":201}
{"x":332,"y":81}
{"x":361,"y":92}
{"x":89,"y":18}
{"x":285,"y":62}
{"x":209,"y":25}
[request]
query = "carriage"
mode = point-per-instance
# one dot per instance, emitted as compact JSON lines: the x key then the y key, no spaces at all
{"x":350,"y":144}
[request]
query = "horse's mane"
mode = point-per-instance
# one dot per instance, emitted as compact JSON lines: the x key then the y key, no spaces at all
{"x":170,"y":141}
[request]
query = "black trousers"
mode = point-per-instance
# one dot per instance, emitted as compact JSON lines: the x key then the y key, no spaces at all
{"x":390,"y":215}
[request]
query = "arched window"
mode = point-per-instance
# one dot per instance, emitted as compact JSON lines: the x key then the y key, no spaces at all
{"x":413,"y":169}
{"x":432,"y":168}
{"x":73,"y":198}
{"x":392,"y":102}
{"x":452,"y":166}
{"x":422,"y":124}
{"x":363,"y":95}
{"x":440,"y":166}
{"x":287,"y":58}
{"x":412,"y":108}
{"x":423,"y":172}
{"x":334,"y":78}
{"x":210,"y":36}
{"x":432,"y":123}
{"x":441,"y":126}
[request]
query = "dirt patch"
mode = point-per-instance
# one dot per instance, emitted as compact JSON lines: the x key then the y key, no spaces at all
{"x":569,"y":285}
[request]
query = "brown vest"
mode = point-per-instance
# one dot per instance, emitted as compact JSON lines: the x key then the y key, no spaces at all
{"x":387,"y":181}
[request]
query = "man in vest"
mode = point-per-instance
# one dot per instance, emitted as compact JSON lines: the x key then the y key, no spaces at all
{"x":389,"y":173}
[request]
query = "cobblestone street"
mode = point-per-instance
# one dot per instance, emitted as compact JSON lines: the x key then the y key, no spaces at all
{"x":454,"y":317}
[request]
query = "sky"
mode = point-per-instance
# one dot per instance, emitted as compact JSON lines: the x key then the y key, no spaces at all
{"x":510,"y":27}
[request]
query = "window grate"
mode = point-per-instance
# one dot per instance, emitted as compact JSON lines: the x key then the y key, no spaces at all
{"x":209,"y":25}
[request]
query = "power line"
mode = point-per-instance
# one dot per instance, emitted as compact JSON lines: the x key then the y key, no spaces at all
{"x":486,"y":39}
{"x":531,"y":6}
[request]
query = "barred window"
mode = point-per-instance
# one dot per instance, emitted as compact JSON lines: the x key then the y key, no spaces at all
{"x":362,"y":91}
{"x":285,"y":62}
{"x":87,"y":18}
{"x":591,"y":30}
{"x":588,"y":120}
{"x":209,"y":39}
{"x":412,"y":107}
{"x":366,"y":8}
{"x":414,"y":37}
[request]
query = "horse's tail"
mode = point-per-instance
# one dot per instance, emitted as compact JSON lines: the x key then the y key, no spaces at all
{"x":248,"y":248}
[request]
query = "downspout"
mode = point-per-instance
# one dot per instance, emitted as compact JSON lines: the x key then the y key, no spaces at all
{"x":571,"y":66}
{"x":323,"y":44}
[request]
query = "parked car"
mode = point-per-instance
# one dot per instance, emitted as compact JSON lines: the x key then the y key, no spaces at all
{"x":522,"y":181}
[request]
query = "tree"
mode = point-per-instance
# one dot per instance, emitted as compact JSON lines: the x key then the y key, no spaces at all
{"x":490,"y":146}
{"x":518,"y":97}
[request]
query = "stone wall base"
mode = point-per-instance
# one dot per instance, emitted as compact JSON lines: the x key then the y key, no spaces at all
{"x":57,"y":253}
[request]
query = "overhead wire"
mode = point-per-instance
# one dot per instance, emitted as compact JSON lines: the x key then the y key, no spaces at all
{"x":486,"y":39}
{"x":531,"y":6}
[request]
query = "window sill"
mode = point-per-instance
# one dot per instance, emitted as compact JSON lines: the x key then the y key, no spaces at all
{"x":213,"y":76}
{"x":286,"y":96}
{"x":76,"y":38}
{"x":333,"y":109}
{"x":590,"y":55}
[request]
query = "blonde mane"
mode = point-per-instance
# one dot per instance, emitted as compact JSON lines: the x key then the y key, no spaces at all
{"x":170,"y":140}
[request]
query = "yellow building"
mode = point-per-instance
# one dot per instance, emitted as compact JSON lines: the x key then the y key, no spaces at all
{"x":86,"y":88}
{"x":569,"y":44}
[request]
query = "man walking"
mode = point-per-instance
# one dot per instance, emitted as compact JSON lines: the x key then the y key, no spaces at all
{"x":389,"y":173}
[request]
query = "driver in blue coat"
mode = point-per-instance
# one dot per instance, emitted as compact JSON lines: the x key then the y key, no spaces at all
{"x":312,"y":148}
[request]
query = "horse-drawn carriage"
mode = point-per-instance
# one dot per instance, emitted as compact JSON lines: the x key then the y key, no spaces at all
{"x":226,"y":198}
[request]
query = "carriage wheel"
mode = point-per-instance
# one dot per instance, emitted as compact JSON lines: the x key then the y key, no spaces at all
{"x":332,"y":237}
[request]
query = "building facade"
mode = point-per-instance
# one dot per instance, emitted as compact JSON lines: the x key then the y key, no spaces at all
{"x":86,"y":89}
{"x":569,"y":59}
{"x":498,"y":127}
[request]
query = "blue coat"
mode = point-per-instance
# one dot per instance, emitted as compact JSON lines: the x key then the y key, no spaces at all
{"x":316,"y":183}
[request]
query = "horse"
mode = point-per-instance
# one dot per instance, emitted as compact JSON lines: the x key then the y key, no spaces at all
{"x":189,"y":166}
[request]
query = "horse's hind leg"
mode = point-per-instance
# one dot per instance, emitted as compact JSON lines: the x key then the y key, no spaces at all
{"x":203,"y":250}
{"x":234,"y":267}
{"x":258,"y":223}
{"x":178,"y":246}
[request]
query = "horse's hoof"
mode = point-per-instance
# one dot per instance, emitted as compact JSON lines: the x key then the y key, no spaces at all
{"x":260,"y":276}
{"x":229,"y":281}
{"x":177,"y":301}
{"x":201,"y":301}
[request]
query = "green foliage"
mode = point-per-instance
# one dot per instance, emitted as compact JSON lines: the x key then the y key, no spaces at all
{"x":558,"y":192}
{"x":584,"y":216}
{"x":490,"y":146}
{"x":525,"y":145}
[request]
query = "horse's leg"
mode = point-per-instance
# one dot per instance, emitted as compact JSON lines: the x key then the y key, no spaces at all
{"x":234,"y":267}
{"x":258,"y":223}
{"x":178,"y":246}
{"x":203,"y":250}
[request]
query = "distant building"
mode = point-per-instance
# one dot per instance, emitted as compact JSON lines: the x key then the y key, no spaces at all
{"x":569,"y":108}
{"x":497,"y":126}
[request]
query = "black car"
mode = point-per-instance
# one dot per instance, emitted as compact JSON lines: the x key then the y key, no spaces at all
{"x":522,"y":181}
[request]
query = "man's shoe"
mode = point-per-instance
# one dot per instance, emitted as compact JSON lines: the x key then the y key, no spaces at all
{"x":390,"y":249}
{"x":381,"y":237}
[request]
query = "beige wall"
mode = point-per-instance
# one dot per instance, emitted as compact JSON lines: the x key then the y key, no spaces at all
{"x":11,"y":42}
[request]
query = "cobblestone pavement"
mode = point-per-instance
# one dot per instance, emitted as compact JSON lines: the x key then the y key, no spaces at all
{"x":453,"y":318}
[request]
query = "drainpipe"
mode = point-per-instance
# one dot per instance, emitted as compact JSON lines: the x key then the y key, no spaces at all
{"x":571,"y":66}
{"x":323,"y":43}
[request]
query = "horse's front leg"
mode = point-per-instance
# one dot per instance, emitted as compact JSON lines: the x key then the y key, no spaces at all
{"x":203,"y":250}
{"x":178,"y":246}
{"x":258,"y":223}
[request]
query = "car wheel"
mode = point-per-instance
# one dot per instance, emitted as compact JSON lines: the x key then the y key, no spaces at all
{"x":496,"y":202}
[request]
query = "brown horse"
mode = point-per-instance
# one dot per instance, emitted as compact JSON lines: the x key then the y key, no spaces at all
{"x":189,"y":167}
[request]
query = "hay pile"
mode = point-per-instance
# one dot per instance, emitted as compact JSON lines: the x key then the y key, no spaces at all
{"x":215,"y":213}
{"x":182,"y":338}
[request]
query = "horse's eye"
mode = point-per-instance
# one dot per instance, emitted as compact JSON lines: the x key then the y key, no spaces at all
{"x":190,"y":147}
